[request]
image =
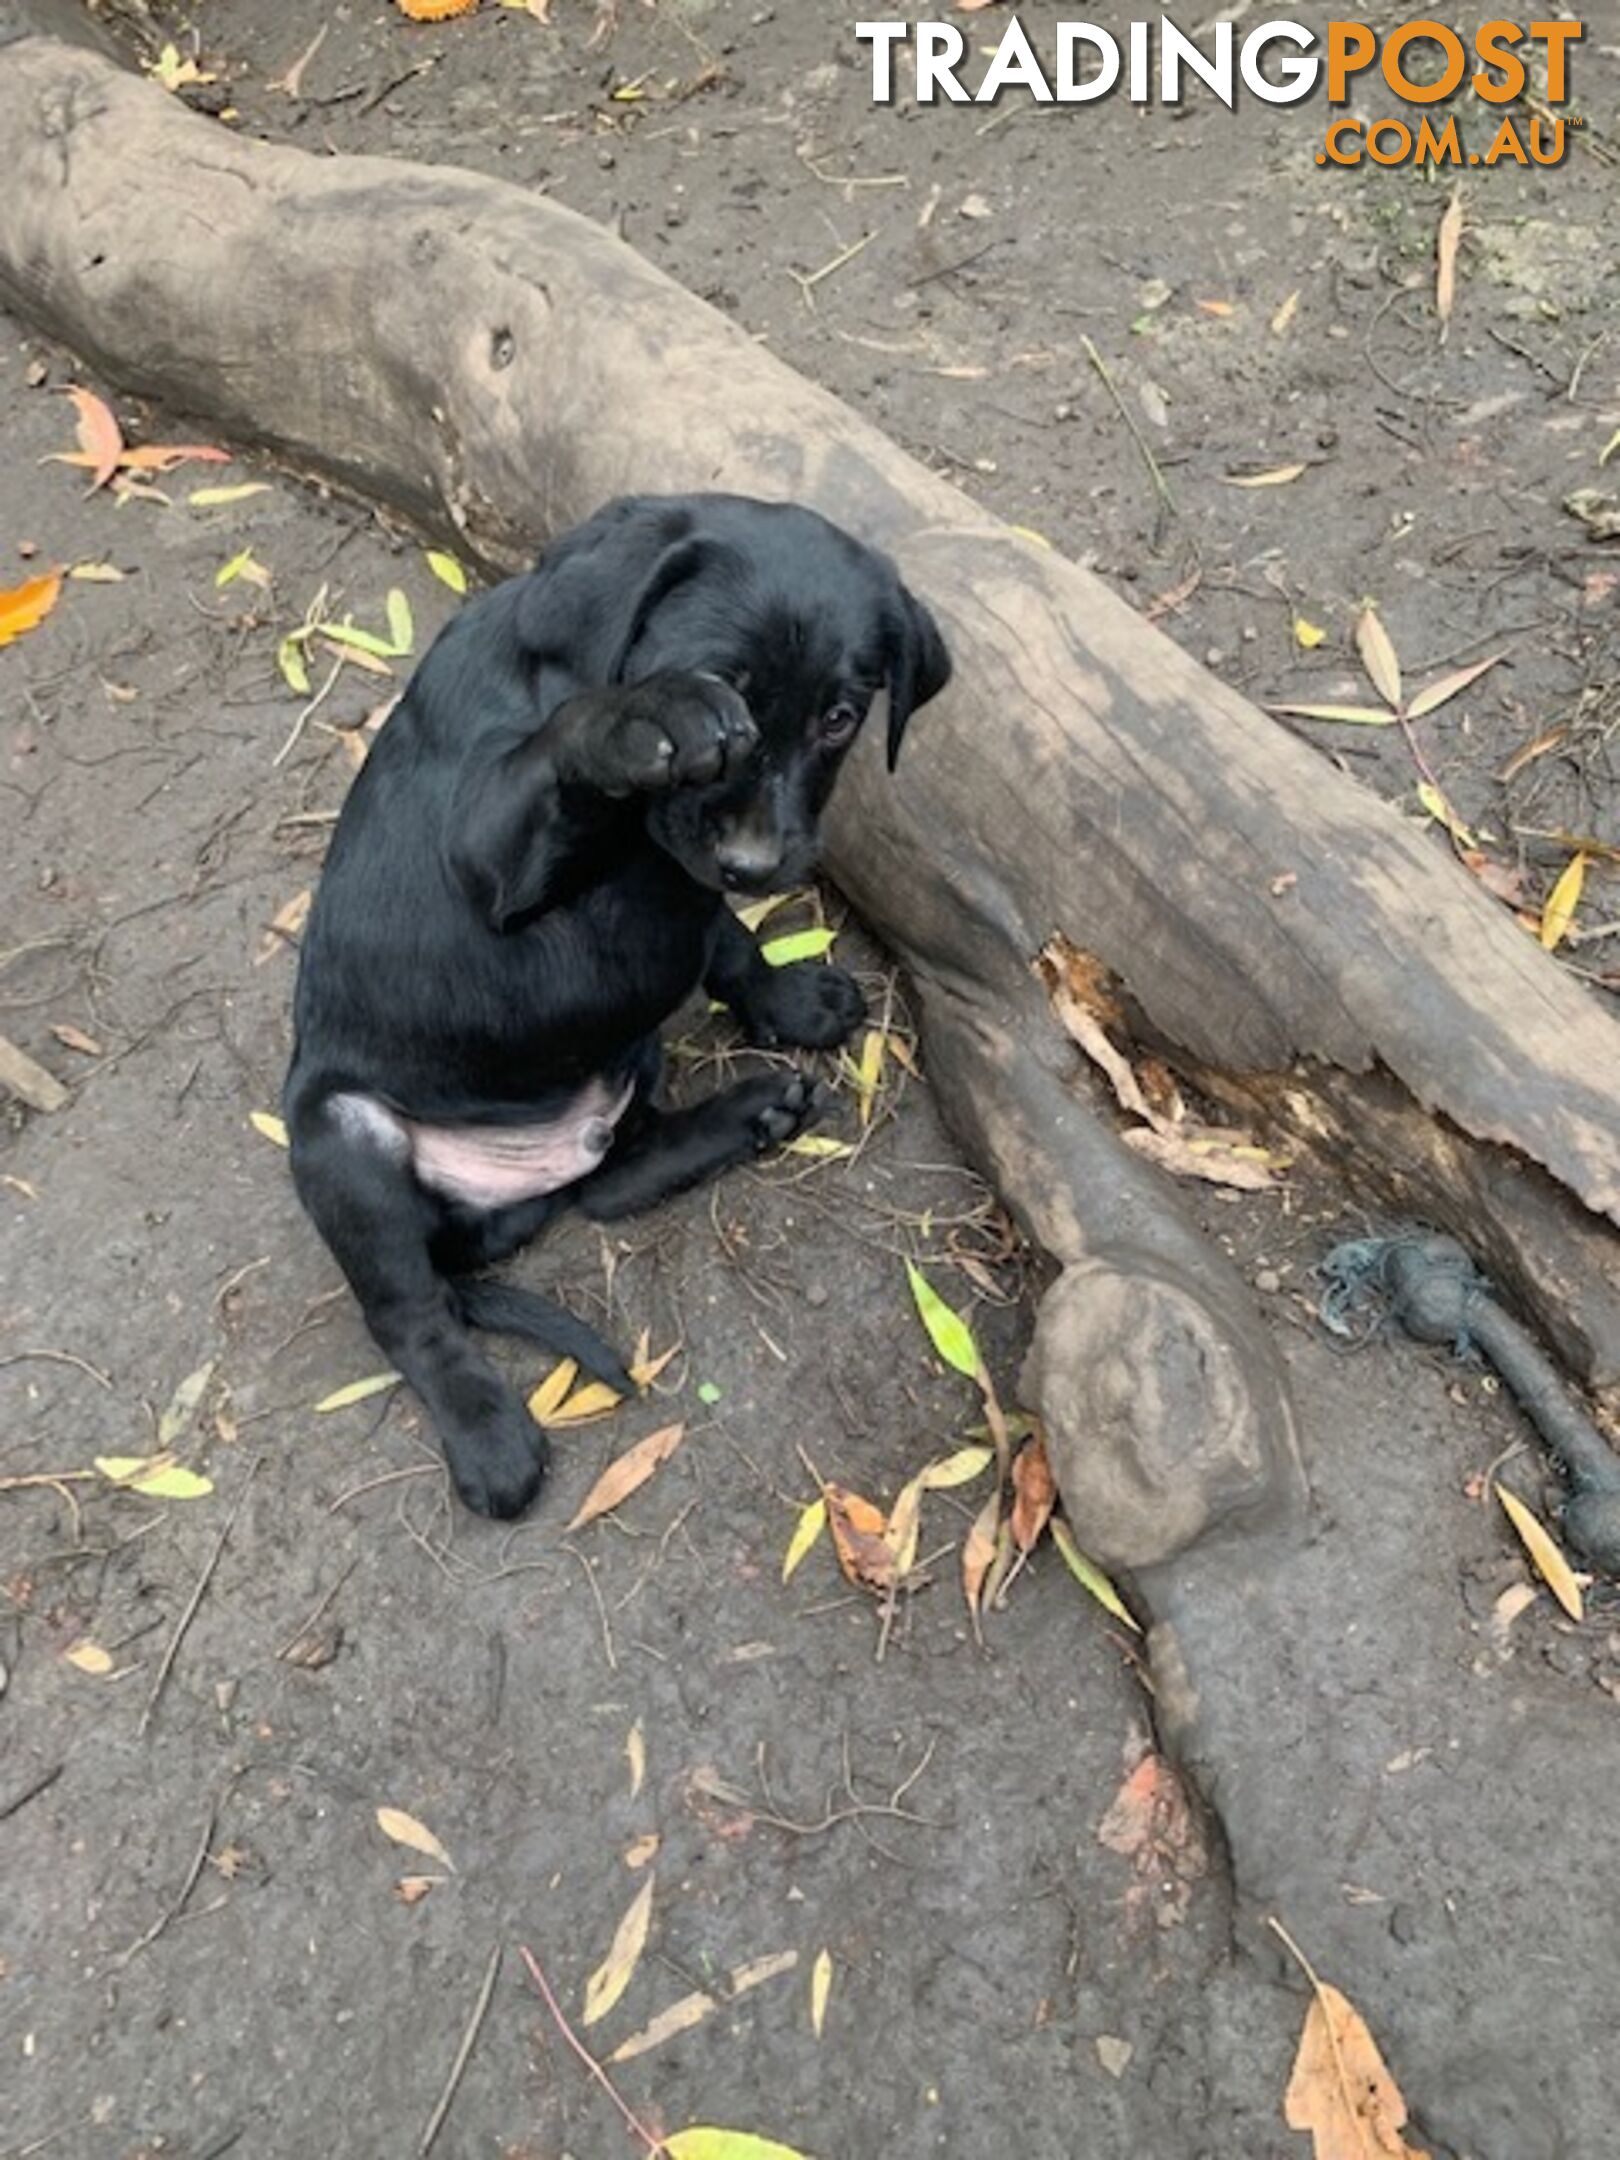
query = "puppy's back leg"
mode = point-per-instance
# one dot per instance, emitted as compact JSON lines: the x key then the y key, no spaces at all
{"x":358,"y":1187}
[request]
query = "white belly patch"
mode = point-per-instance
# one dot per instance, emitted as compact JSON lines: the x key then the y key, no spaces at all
{"x":495,"y":1166}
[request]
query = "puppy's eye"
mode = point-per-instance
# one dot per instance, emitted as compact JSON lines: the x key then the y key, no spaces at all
{"x":838,"y":723}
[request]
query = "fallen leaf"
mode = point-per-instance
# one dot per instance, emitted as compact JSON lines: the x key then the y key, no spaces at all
{"x":552,"y":1392}
{"x":447,"y":570}
{"x":1150,"y":1823}
{"x":434,"y":10}
{"x":869,"y":1076}
{"x":759,"y":911}
{"x":164,"y":457}
{"x":1091,"y":1577}
{"x":1507,"y":884}
{"x":858,"y":1539}
{"x":1562,"y":902}
{"x":1221,"y":308}
{"x":1439,"y":808}
{"x":173,"y":72}
{"x":1378,"y":656}
{"x":613,"y":1975}
{"x":1308,"y":635}
{"x":979,"y":1552}
{"x":678,"y":2018}
{"x":1114,"y":2054}
{"x":1549,"y":1562}
{"x":904,"y":1524}
{"x":647,"y":1368}
{"x":243,"y":565}
{"x":401,"y":622}
{"x":285,"y":925}
{"x":89,"y":1657}
{"x":819,"y":1147}
{"x":411,"y":1889}
{"x":820,"y":1988}
{"x":159,"y":1477}
{"x":635,"y":1748}
{"x":290,"y":660}
{"x":97,"y":573}
{"x":1285,"y":314}
{"x":958,"y":1469}
{"x":181,"y":1412}
{"x":270,"y":1127}
{"x":406,"y":1830}
{"x":812,"y":1521}
{"x":797,"y":945}
{"x":357,"y":1391}
{"x":24,"y":607}
{"x":704,"y":2143}
{"x":74,"y":1038}
{"x":215,"y":498}
{"x":947,"y":1331}
{"x":1279,"y":476}
{"x":1446,"y":242}
{"x":708,"y":1394}
{"x":101,"y":439}
{"x":364,"y":643}
{"x":1446,"y":686}
{"x":1034,"y":1494}
{"x":628,"y":1473}
{"x":1351,"y":715}
{"x":644,"y":1849}
{"x":594,"y":1400}
{"x":758,"y":1970}
{"x":1341,"y":2090}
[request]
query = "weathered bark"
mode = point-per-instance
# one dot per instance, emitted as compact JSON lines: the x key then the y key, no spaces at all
{"x":485,"y":360}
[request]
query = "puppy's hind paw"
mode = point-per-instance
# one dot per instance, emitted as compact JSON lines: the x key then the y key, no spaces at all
{"x":499,"y":1470}
{"x":793,"y":1104}
{"x":806,"y":1003}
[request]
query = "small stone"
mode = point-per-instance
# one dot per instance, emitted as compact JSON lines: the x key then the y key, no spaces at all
{"x":1267,"y":1281}
{"x":974,"y":206}
{"x":606,"y":159}
{"x":816,"y":1294}
{"x":1113,"y":2054}
{"x":1214,"y":657}
{"x":37,"y":373}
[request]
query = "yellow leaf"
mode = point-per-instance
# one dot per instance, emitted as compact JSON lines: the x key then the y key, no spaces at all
{"x":1550,"y":1564}
{"x":819,"y":1147}
{"x":214,"y":498}
{"x":24,"y":607}
{"x":1562,"y":902}
{"x":820,"y":1988}
{"x":447,"y":570}
{"x":948,"y":1333}
{"x":904,"y":1525}
{"x":757,"y":911}
{"x":269,"y":1126}
{"x":1090,"y":1576}
{"x":812,"y":1521}
{"x":594,"y":1400}
{"x":1279,"y":476}
{"x":1341,"y":2090}
{"x":704,"y":2143}
{"x":958,"y":1469}
{"x":552,"y":1392}
{"x":434,"y":10}
{"x":613,"y":1975}
{"x":1351,"y":715}
{"x":644,"y":1849}
{"x":1285,"y":314}
{"x":628,"y":1473}
{"x":647,"y":1368}
{"x":406,"y":1830}
{"x":290,"y":660}
{"x":357,"y":1391}
{"x":1439,"y":808}
{"x":1378,"y":656}
{"x":159,"y":1477}
{"x":244,"y":565}
{"x":870,"y":1075}
{"x":1308,"y":635}
{"x":90,"y":1658}
{"x":97,"y":573}
{"x":401,"y":622}
{"x":635,"y":1748}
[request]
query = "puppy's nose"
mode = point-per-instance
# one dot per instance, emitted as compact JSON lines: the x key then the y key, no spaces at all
{"x":748,"y":865}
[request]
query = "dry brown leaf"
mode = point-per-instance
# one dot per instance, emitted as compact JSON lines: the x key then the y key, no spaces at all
{"x":635,"y":1748}
{"x":101,"y":439}
{"x":406,"y":1830}
{"x":286,"y":924}
{"x":678,"y":2018}
{"x":1034,"y":1494}
{"x":1378,"y":656}
{"x":1341,"y":2090}
{"x":628,"y":1473}
{"x":1436,"y":693}
{"x":858,"y":1537}
{"x":1445,"y":260}
{"x":74,"y":1038}
{"x":644,"y":1849}
{"x":24,"y":607}
{"x":1279,"y":476}
{"x":646,"y":1367}
{"x":1151,"y":1824}
{"x":411,"y":1889}
{"x":613,"y":1975}
{"x":1285,"y":314}
{"x":979,"y":1552}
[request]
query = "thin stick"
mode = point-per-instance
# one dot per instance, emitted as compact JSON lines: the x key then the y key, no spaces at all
{"x":389,"y":1477}
{"x":58,"y":1357}
{"x":1161,"y":486}
{"x":41,"y":1784}
{"x":176,"y":1904}
{"x":308,"y":713}
{"x":653,"y":2144}
{"x":299,"y":1633}
{"x":195,"y":1599}
{"x":808,"y":282}
{"x":601,"y":1608}
{"x":469,"y":2040}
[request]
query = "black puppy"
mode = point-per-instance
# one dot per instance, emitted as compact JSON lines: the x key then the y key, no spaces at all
{"x":526,"y":882}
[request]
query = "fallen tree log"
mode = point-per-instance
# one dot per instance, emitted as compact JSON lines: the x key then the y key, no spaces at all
{"x":486,"y":361}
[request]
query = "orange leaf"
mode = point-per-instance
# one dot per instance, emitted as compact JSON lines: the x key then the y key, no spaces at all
{"x":100,"y":437}
{"x":1341,"y":2090}
{"x":628,"y":1473}
{"x":1034,"y":1494}
{"x":24,"y":607}
{"x":857,"y":1529}
{"x":163,"y":457}
{"x":434,"y":10}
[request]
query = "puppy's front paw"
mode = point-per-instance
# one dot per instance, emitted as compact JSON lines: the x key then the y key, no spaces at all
{"x":807,"y":1004}
{"x":499,"y":1468}
{"x":675,"y":730}
{"x":778,"y":1107}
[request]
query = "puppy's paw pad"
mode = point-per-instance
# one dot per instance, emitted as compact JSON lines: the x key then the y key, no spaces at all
{"x":499,"y":1474}
{"x":798,"y":1103}
{"x":810,"y":1005}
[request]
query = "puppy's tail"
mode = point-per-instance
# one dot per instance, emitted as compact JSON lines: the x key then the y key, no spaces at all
{"x":503,"y":1309}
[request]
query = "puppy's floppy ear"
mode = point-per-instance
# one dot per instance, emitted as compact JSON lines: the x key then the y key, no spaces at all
{"x":919,"y":666}
{"x":588,"y":598}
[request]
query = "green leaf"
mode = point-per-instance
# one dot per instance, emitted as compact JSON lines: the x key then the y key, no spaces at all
{"x":268,"y":1126}
{"x":290,"y":660}
{"x":175,"y":1422}
{"x":357,"y":1391}
{"x":707,"y":2144}
{"x":401,"y":622}
{"x":154,"y":1475}
{"x":346,"y":633}
{"x":229,"y":572}
{"x":447,"y":570}
{"x":708,"y":1393}
{"x":1089,"y":1576}
{"x":958,"y":1469}
{"x":797,"y":945}
{"x":950,"y":1336}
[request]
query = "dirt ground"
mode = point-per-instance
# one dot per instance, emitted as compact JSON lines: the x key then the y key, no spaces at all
{"x":203,"y":1945}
